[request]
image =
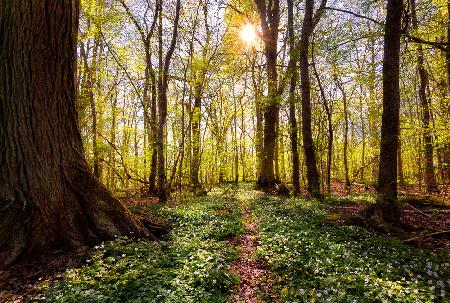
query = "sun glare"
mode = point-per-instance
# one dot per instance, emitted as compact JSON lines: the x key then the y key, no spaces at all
{"x":248,"y":34}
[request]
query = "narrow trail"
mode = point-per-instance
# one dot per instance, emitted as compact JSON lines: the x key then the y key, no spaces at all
{"x":251,"y":288}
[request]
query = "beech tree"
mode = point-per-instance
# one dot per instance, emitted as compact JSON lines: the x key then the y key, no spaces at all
{"x":48,"y":196}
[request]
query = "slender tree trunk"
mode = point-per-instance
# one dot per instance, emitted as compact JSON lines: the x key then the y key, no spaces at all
{"x":48,"y":196}
{"x":446,"y":149}
{"x":292,"y":99}
{"x":259,"y":120}
{"x":308,"y":145}
{"x":387,"y":178}
{"x":88,"y":90}
{"x":162,"y":104}
{"x":196,"y":117}
{"x":430,"y":178}
{"x":329,"y":113}
{"x":373,"y":115}
{"x":401,"y":177}
{"x":154,"y":127}
{"x":363,"y":132}
{"x":346,"y":126}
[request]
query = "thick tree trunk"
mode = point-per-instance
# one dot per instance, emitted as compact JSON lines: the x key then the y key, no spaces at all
{"x":308,"y":145}
{"x":48,"y":197}
{"x":430,"y":178}
{"x":387,"y":178}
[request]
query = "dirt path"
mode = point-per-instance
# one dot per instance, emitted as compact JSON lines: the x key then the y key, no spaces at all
{"x":251,"y":287}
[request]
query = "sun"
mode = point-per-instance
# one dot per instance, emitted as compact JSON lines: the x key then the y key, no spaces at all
{"x":248,"y":34}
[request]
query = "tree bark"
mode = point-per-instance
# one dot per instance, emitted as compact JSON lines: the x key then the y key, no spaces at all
{"x":49,"y":198}
{"x":308,"y":145}
{"x":430,"y":178}
{"x":162,"y":103}
{"x":292,"y":99}
{"x":270,"y":20}
{"x":329,"y":112}
{"x":387,"y":178}
{"x":346,"y":126}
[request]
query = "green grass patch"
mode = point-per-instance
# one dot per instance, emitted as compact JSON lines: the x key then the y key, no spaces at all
{"x":314,"y":262}
{"x":191,"y":265}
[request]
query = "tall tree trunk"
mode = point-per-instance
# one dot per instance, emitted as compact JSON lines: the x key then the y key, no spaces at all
{"x":154,"y":128}
{"x":308,"y":145}
{"x":373,"y":115}
{"x":401,"y":177}
{"x":329,"y":113}
{"x":196,"y":117}
{"x":430,"y":178}
{"x":363,"y":132}
{"x":48,"y":196}
{"x":270,"y":20}
{"x":292,"y":99}
{"x":387,"y":178}
{"x":259,"y":119}
{"x":446,"y":148}
{"x":346,"y":126}
{"x":197,"y":110}
{"x":88,"y":90}
{"x":162,"y":104}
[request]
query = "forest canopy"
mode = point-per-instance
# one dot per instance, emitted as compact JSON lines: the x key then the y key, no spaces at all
{"x":218,"y":92}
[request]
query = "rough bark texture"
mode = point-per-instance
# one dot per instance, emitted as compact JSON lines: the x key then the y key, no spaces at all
{"x":387,"y":178}
{"x":308,"y":145}
{"x":270,"y":20}
{"x":430,"y":178}
{"x":48,"y":198}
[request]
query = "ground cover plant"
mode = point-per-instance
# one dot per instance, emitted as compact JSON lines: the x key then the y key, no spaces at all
{"x":190,"y":265}
{"x":313,"y":261}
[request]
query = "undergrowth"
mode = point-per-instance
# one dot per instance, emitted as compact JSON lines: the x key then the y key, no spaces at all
{"x":191,"y":265}
{"x":314,"y":262}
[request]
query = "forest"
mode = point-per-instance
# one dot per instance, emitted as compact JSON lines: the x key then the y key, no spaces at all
{"x":224,"y":151}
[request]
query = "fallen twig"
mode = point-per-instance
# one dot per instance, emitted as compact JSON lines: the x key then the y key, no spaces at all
{"x":428,"y":235}
{"x":419,"y":211}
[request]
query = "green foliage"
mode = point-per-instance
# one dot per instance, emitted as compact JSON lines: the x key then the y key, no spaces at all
{"x":191,"y":265}
{"x":313,"y":262}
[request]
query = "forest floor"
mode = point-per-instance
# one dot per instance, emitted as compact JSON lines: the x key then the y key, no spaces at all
{"x":238,"y":244}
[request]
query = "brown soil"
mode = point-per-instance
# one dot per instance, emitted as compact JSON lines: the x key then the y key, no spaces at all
{"x":252,"y":286}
